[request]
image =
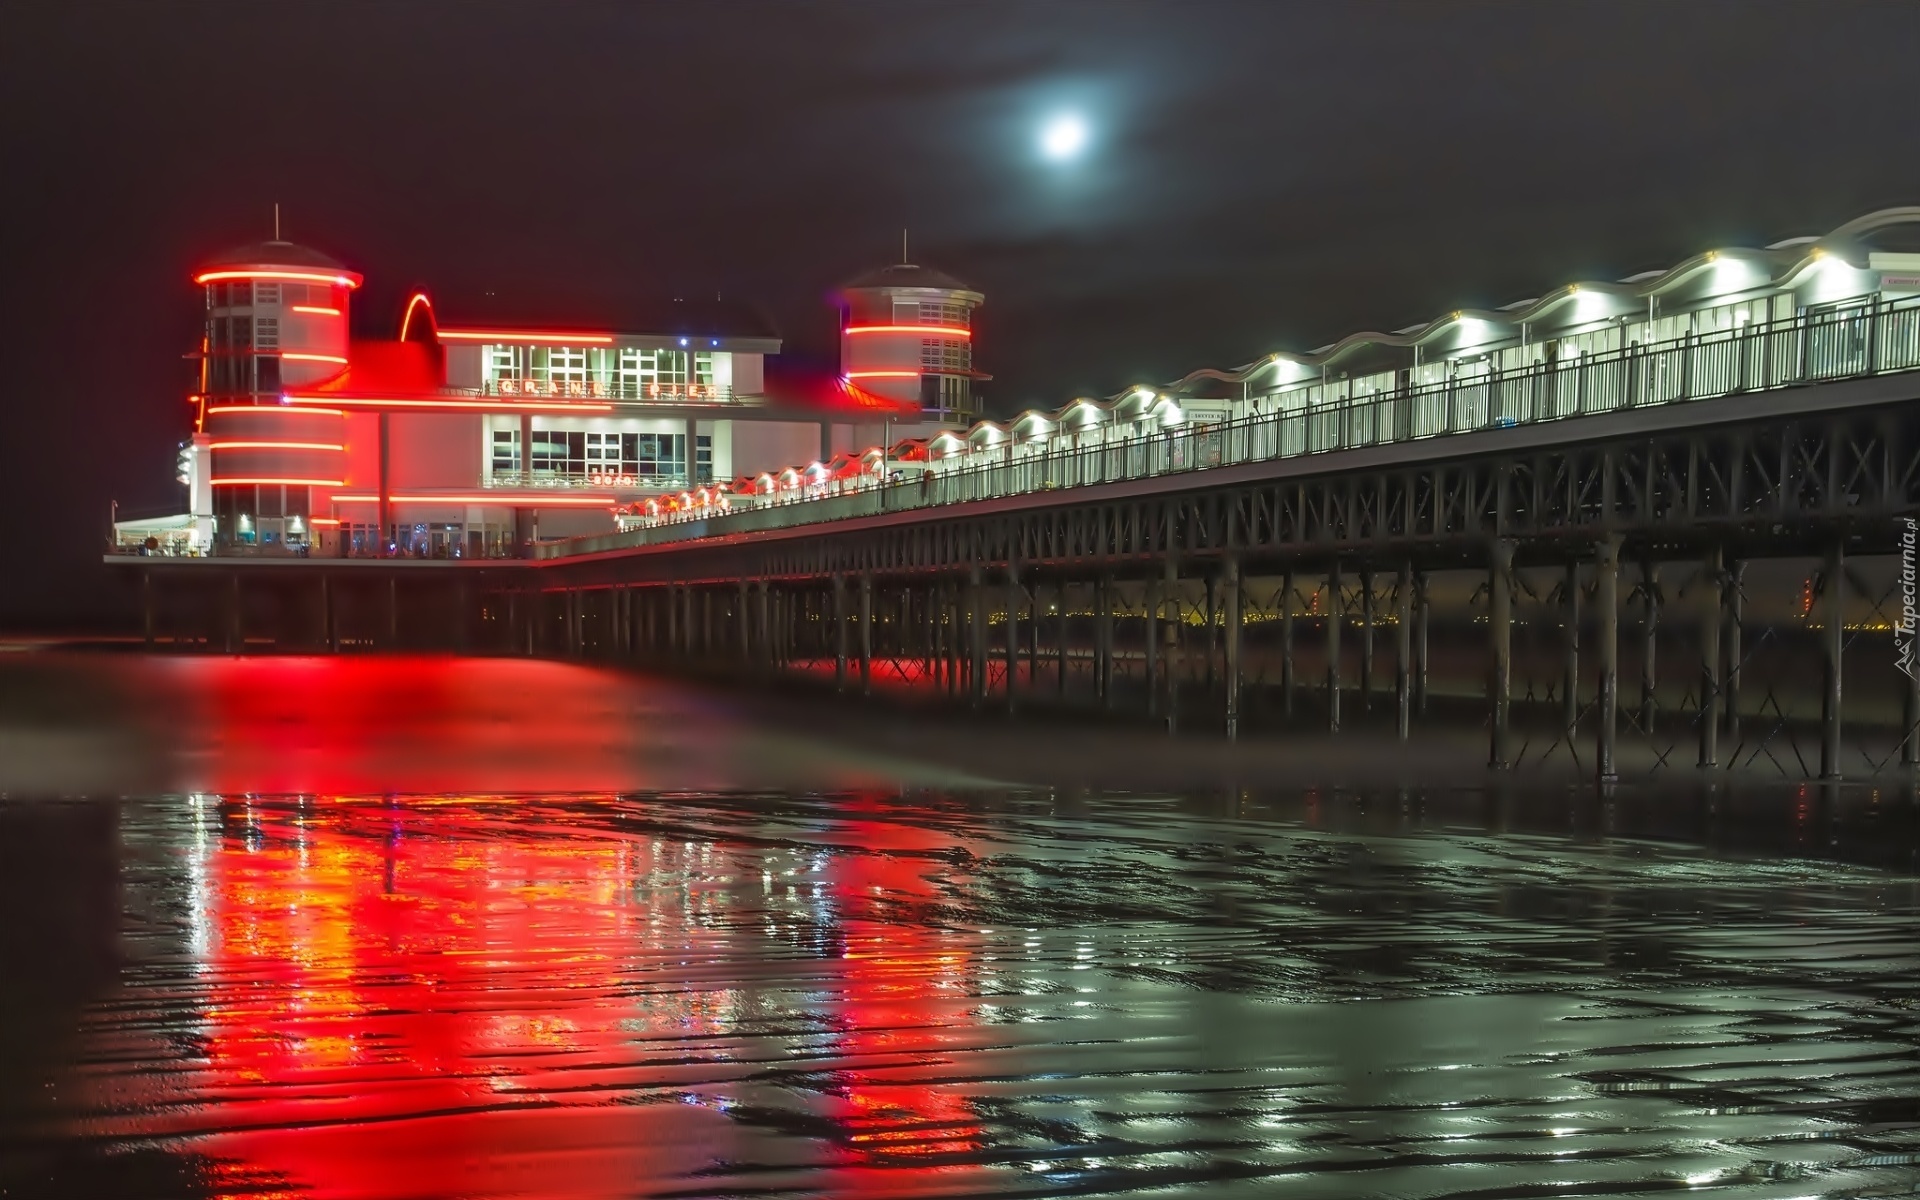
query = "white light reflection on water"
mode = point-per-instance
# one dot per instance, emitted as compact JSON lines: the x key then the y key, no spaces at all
{"x":965,"y":994}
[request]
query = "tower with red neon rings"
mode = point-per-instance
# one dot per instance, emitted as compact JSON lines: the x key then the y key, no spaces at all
{"x":906,"y":333}
{"x":276,"y":319}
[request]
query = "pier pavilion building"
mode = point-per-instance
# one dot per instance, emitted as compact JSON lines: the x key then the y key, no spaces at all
{"x":477,"y":432}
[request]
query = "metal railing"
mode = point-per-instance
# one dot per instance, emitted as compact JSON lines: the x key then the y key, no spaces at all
{"x":1853,"y":340}
{"x":609,"y":389}
{"x":600,"y":480}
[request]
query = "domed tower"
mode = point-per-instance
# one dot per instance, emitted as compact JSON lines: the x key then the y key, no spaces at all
{"x":906,"y":332}
{"x":276,"y":319}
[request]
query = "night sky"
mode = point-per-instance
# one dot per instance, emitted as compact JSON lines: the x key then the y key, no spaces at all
{"x":1259,"y":176}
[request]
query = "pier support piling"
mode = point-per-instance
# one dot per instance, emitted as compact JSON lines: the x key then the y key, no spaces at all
{"x":1366,"y":640}
{"x":977,"y":639}
{"x":1103,"y":621}
{"x":1288,"y":678}
{"x":1170,"y":642}
{"x":1403,"y":651}
{"x":1150,"y":645}
{"x":1013,"y":636}
{"x":1231,"y":601}
{"x":1500,"y":635}
{"x":1711,"y":621}
{"x":1730,"y":675}
{"x":1833,"y":639}
{"x":1422,"y":619}
{"x":1649,"y":640}
{"x":1570,"y":647}
{"x":1334,"y":604}
{"x":1606,"y":637}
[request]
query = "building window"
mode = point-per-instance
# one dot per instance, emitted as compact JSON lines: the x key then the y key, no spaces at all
{"x":566,"y":365}
{"x":933,"y":312}
{"x":939,"y":354}
{"x":506,"y":451}
{"x":266,"y":293}
{"x":642,"y":374}
{"x":603,"y":454}
{"x":239,"y":294}
{"x":503,"y":362}
{"x":703,"y":458}
{"x":703,"y":368}
{"x":266,"y":333}
{"x":569,"y":454}
{"x":319,"y":295}
{"x":558,"y":453}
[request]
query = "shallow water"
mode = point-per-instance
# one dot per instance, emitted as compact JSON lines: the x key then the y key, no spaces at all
{"x":913,"y":990}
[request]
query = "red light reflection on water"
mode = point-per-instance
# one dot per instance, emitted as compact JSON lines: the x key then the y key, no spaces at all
{"x":907,"y":988}
{"x":393,"y":1006}
{"x":405,"y":724}
{"x":437,"y":997}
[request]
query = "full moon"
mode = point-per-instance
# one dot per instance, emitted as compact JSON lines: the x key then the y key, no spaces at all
{"x":1063,"y":137}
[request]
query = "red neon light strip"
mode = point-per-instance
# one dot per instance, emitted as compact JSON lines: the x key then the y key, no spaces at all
{"x":276,"y":446}
{"x":514,"y":499}
{"x":525,"y":335}
{"x":310,"y":276}
{"x":323,"y":520}
{"x":315,"y":309}
{"x":883,"y":374}
{"x":288,"y":482}
{"x":325,"y":358}
{"x":270,"y":408}
{"x":486,"y":405}
{"x":948,"y":330}
{"x":406,"y":318}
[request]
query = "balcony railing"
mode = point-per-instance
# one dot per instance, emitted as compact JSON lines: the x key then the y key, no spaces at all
{"x":597,"y":480}
{"x":1855,"y":340}
{"x":598,"y":389}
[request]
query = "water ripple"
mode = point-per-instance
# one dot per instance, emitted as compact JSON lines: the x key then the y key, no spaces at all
{"x":944,"y":994}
